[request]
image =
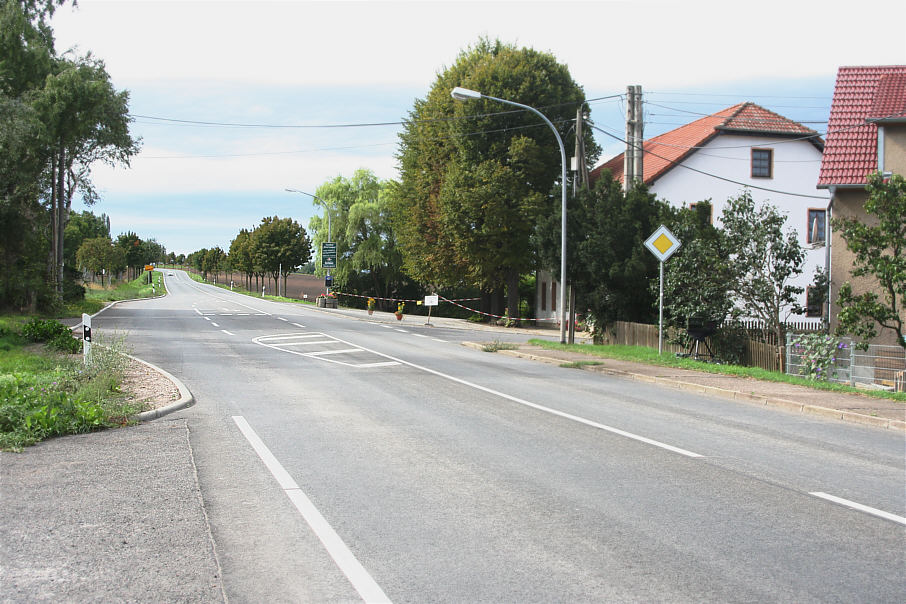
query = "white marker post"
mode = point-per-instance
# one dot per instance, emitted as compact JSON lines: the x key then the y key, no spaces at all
{"x":662,"y":244}
{"x":86,"y":338}
{"x":429,"y":302}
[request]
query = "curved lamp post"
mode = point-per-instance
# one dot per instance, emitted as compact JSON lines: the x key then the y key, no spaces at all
{"x":327,"y":207}
{"x":464,"y":94}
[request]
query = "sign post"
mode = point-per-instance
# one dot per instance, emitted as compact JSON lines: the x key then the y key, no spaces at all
{"x":662,"y":244}
{"x":328,"y":258}
{"x":86,"y":337}
{"x":429,"y":302}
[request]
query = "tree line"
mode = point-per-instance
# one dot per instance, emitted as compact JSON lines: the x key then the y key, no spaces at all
{"x":59,"y":113}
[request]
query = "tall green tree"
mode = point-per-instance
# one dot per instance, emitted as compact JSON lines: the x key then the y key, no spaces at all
{"x":765,"y":260}
{"x":476,"y":176}
{"x":698,"y":279}
{"x":241,"y":255}
{"x":60,"y":115}
{"x":100,"y":256}
{"x":879,"y":247}
{"x":280,"y":244}
{"x":371,"y":262}
{"x":132,"y":249}
{"x":607,"y":261}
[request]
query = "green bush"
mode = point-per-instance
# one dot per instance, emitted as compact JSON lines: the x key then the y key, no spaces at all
{"x":54,"y":333}
{"x":44,"y":330}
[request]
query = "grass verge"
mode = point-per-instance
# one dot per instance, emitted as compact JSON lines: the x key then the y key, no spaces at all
{"x":96,"y":299}
{"x":241,"y":290}
{"x":649,"y":356}
{"x":44,"y":393}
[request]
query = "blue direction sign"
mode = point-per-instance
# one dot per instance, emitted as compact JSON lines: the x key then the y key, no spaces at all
{"x":329,"y":254}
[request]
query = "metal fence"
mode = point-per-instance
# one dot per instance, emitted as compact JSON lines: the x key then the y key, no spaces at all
{"x":879,"y":366}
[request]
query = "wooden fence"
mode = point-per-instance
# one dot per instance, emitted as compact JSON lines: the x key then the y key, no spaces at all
{"x":756,"y":354}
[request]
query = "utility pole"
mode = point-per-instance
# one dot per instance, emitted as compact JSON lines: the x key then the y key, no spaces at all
{"x":632,"y":159}
{"x":581,"y":179}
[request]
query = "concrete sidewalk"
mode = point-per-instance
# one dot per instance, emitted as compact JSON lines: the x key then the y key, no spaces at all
{"x":112,"y":516}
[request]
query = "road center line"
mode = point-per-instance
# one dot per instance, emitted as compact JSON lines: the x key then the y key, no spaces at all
{"x":860,"y":507}
{"x":536,"y":406}
{"x":342,"y":556}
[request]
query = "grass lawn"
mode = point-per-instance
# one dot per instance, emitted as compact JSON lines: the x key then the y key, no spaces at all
{"x":649,"y":356}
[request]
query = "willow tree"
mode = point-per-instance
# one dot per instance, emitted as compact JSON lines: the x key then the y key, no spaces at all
{"x":369,"y":258}
{"x":476,"y":176}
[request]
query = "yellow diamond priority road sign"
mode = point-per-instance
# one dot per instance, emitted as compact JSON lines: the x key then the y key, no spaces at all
{"x":662,"y":243}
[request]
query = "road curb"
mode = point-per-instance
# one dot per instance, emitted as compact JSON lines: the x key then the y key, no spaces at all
{"x":186,"y":399}
{"x":751,"y":398}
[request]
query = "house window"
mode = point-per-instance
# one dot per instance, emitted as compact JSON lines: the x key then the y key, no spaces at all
{"x":814,"y":302}
{"x":544,"y":295}
{"x":762,"y":163}
{"x":553,"y":297}
{"x":705,"y":206}
{"x":817,"y":226}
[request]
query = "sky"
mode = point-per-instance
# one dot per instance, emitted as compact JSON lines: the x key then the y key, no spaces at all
{"x":268,"y":77}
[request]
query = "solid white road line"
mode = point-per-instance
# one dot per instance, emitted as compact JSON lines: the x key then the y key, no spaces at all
{"x":324,"y":352}
{"x":290,"y":337}
{"x":520,"y":401}
{"x":306,"y":343}
{"x":860,"y":507}
{"x":345,"y":560}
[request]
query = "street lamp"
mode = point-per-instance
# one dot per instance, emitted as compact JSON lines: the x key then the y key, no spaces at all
{"x":328,"y":219}
{"x":464,"y":94}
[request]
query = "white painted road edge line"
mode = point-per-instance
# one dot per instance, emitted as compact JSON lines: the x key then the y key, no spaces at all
{"x":520,"y":401}
{"x":860,"y":507}
{"x":360,"y":579}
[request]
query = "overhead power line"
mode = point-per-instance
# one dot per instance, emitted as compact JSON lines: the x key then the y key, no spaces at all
{"x":186,"y":122}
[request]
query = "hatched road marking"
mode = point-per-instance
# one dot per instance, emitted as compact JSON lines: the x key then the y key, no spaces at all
{"x":326,"y":346}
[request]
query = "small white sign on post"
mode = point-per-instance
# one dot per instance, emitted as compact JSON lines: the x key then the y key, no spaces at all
{"x":429,"y":302}
{"x":86,"y":337}
{"x":662,"y":244}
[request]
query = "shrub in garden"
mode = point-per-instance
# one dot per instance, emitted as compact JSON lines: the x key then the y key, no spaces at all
{"x":818,"y":355}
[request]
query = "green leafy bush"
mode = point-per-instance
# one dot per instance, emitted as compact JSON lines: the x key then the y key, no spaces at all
{"x":54,"y":333}
{"x":818,"y":355}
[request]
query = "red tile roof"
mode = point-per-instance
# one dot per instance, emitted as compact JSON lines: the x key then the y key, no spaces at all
{"x":861,"y":93}
{"x":664,"y":151}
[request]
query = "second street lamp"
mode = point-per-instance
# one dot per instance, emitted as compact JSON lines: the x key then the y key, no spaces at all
{"x":327,"y":207}
{"x":464,"y":94}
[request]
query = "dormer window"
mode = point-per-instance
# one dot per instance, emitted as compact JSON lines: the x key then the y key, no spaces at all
{"x":762,"y":163}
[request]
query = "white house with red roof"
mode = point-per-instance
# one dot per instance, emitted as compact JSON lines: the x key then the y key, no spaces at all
{"x":866,"y":134}
{"x":714,"y":158}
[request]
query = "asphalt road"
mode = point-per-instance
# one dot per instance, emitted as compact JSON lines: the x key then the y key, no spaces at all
{"x":344,"y":459}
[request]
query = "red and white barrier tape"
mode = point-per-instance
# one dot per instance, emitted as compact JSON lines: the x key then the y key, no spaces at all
{"x":454,"y":303}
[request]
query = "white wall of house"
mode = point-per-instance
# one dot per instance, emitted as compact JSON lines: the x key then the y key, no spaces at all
{"x":795,"y":169}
